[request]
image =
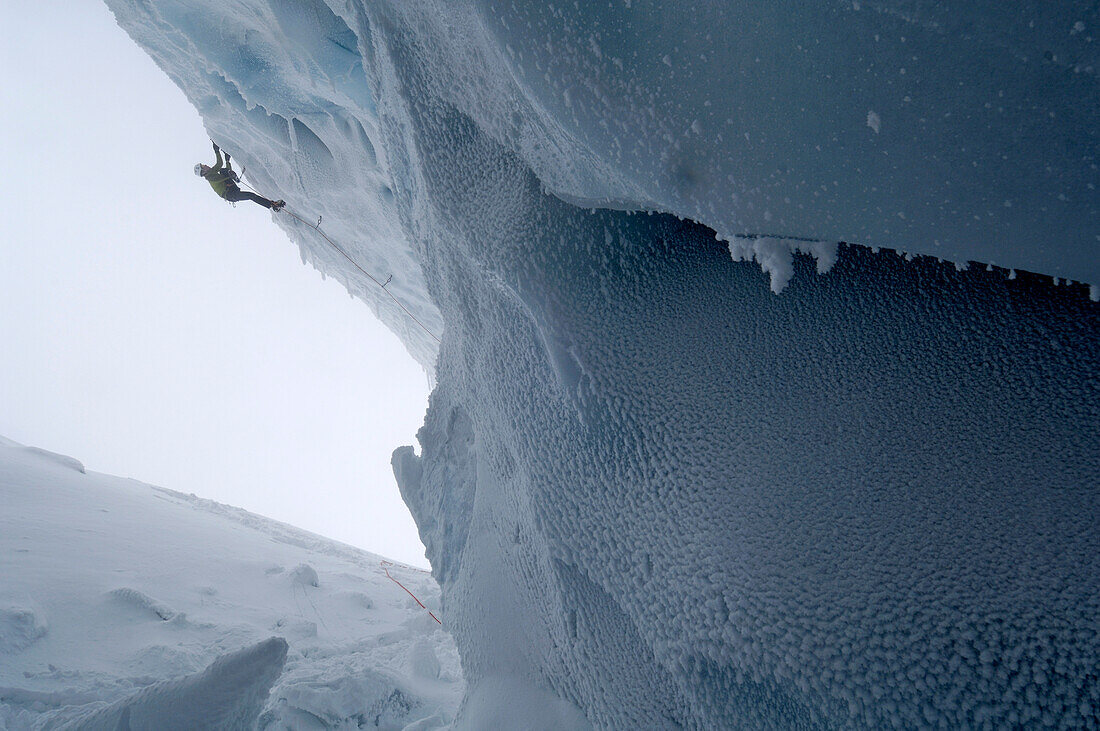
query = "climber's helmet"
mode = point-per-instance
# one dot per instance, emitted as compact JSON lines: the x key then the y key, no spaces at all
{"x":199,"y":169}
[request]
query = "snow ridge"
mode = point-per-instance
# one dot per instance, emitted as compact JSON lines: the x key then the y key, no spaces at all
{"x":228,"y":694}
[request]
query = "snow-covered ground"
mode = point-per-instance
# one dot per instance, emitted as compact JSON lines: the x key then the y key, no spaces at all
{"x":659,"y":487}
{"x":123,"y":600}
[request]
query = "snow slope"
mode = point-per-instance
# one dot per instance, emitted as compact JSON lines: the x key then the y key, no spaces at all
{"x":656,"y":493}
{"x":124,"y":601}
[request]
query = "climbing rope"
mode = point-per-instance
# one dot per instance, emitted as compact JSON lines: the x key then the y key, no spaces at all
{"x":384,"y":564}
{"x":317,"y":227}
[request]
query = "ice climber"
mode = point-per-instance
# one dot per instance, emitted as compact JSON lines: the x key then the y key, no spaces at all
{"x":224,"y":182}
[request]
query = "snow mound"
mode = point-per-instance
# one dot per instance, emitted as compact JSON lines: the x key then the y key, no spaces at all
{"x":21,"y":625}
{"x":144,"y":604}
{"x":305,"y":575}
{"x":229,"y":695}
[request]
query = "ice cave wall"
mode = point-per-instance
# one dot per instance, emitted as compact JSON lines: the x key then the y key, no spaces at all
{"x":962,"y":130}
{"x":677,"y":500}
{"x":650,"y":488}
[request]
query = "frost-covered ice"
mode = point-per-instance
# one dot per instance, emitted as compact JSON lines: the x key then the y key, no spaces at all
{"x":128,"y":606}
{"x":776,"y":256}
{"x":655,"y":493}
{"x":748,"y":117}
{"x":676,"y":499}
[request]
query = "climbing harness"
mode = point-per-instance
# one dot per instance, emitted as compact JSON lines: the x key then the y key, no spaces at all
{"x":317,"y":227}
{"x":384,"y":564}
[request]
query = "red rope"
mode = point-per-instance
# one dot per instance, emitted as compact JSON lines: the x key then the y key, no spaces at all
{"x":383,"y":564}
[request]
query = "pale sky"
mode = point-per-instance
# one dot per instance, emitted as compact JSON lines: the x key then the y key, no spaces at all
{"x":154,"y":331}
